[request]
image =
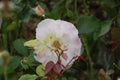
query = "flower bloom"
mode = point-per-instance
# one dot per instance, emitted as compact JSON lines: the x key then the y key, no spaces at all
{"x":56,"y":40}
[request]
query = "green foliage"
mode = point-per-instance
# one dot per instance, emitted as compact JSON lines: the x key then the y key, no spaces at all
{"x":11,"y":26}
{"x":71,"y":78}
{"x":105,"y":27}
{"x":20,"y":48}
{"x":28,"y":77}
{"x":40,"y":70}
{"x":13,"y":63}
{"x":88,"y":24}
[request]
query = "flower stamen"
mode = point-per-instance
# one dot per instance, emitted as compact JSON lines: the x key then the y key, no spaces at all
{"x":56,"y":44}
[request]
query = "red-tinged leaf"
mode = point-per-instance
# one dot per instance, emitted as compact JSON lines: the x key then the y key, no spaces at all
{"x":49,"y":67}
{"x":102,"y":76}
{"x":81,"y":58}
{"x":46,"y":79}
{"x":115,"y":44}
{"x":65,"y":56}
{"x":57,"y":68}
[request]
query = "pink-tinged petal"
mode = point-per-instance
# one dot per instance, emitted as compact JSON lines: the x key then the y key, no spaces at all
{"x":49,"y":67}
{"x":64,"y":56}
{"x":68,"y":28}
{"x":71,"y":53}
{"x":43,"y":28}
{"x":45,"y":56}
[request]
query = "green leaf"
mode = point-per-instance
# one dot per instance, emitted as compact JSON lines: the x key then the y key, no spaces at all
{"x":118,"y":20}
{"x":28,"y":77}
{"x":115,"y":31}
{"x":28,"y":62}
{"x":71,"y":78}
{"x":25,"y":14}
{"x":11,"y":26}
{"x":14,"y":63}
{"x":88,"y":24}
{"x":69,"y":13}
{"x":68,"y":2}
{"x":16,"y":1}
{"x":63,"y":78}
{"x":40,"y":70}
{"x":20,"y":48}
{"x":110,"y":3}
{"x":25,"y":66}
{"x":105,"y":27}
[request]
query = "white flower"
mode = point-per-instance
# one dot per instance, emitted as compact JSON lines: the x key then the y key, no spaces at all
{"x":56,"y":40}
{"x":118,"y":78}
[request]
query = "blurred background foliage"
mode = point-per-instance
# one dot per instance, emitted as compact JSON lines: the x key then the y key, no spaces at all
{"x":98,"y":22}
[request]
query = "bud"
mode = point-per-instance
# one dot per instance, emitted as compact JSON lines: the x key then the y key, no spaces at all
{"x":39,"y":11}
{"x":4,"y":57}
{"x":25,"y":60}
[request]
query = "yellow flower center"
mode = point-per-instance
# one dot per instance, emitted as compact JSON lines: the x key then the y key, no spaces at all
{"x":56,"y":44}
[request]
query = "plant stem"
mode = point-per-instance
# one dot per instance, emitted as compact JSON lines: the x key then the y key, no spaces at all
{"x":75,"y":6}
{"x":85,"y":7}
{"x":5,"y":73}
{"x":5,"y":41}
{"x":84,"y":40}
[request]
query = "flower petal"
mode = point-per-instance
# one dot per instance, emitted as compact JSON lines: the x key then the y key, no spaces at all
{"x":45,"y":56}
